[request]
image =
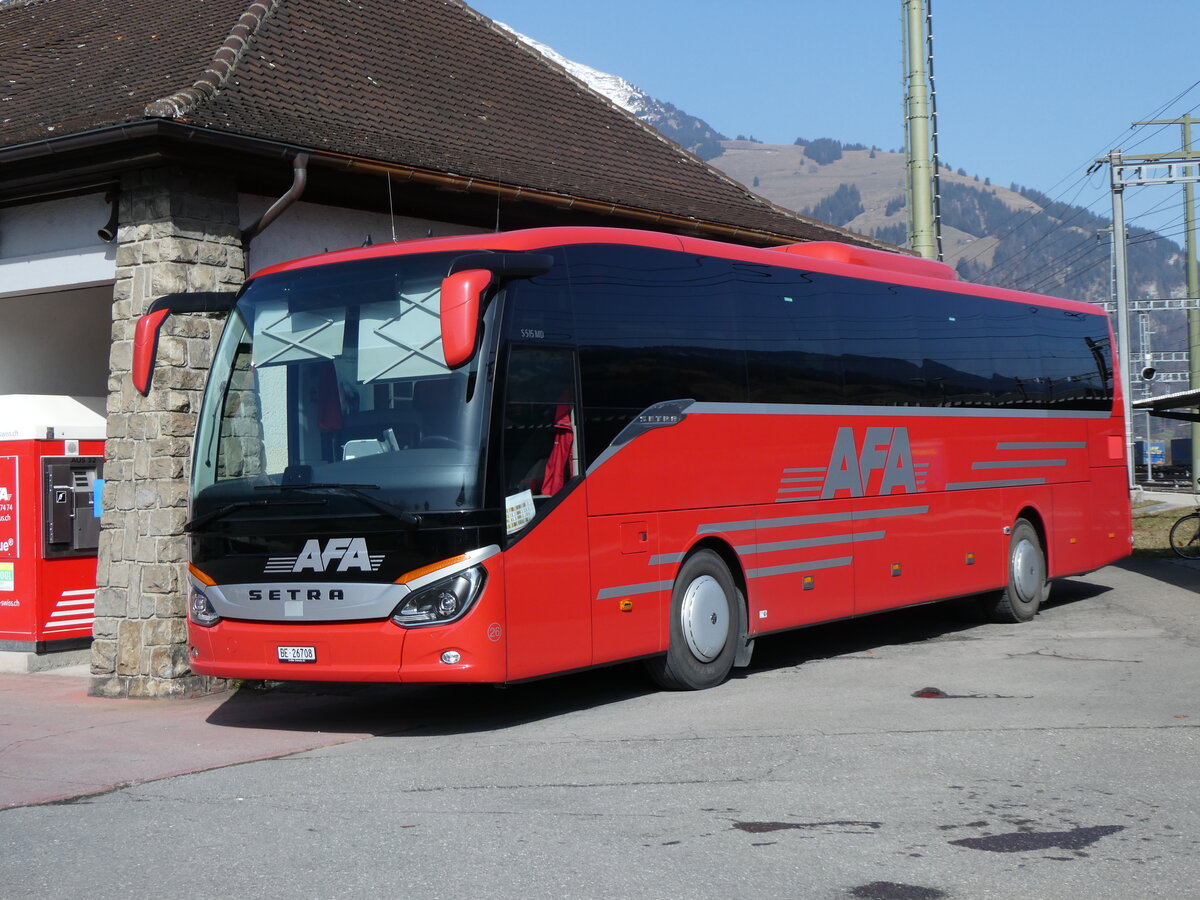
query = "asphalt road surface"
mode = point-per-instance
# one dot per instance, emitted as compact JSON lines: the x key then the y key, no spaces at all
{"x":917,"y":754}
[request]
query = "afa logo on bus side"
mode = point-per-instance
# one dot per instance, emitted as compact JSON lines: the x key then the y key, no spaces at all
{"x":882,"y":464}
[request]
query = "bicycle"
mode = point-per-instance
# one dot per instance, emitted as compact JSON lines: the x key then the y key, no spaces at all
{"x":1185,"y":536}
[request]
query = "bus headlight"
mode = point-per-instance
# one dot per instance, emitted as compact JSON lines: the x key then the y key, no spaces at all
{"x":200,"y":609}
{"x":443,"y":601}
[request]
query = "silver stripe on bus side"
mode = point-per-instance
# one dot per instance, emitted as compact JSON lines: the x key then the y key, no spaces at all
{"x":751,"y":549}
{"x":814,"y":409}
{"x":813,"y":565}
{"x":1012,"y":482}
{"x":648,"y":587}
{"x":883,"y":412}
{"x":664,"y":559}
{"x":889,"y":513}
{"x":1041,"y":445}
{"x":817,"y":519}
{"x":1019,"y":464}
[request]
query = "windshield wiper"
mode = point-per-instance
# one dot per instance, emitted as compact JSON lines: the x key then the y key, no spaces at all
{"x":353,"y":490}
{"x":221,"y":511}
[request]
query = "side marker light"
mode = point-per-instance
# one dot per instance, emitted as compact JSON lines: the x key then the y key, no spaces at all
{"x":425,"y":570}
{"x":201,"y":576}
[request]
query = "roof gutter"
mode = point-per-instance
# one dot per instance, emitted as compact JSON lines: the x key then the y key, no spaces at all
{"x":170,"y":131}
{"x":708,"y":228}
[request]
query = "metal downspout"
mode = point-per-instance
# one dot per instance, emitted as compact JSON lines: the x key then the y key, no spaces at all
{"x":299,"y":182}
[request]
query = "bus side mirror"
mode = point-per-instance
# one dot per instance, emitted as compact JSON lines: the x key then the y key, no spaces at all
{"x":145,"y":348}
{"x":145,"y":336}
{"x":462,"y":293}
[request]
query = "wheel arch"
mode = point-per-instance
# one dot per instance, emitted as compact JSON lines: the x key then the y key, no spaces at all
{"x":728,"y":555}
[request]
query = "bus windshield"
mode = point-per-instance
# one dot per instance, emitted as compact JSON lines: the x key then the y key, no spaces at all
{"x":331,"y":378}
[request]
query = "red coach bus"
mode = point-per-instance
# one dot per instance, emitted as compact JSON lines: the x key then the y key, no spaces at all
{"x":501,"y":456}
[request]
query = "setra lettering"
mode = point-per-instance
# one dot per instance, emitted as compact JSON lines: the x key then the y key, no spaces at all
{"x":278,"y":594}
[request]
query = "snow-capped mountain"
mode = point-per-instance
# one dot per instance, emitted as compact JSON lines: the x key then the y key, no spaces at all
{"x":690,"y":132}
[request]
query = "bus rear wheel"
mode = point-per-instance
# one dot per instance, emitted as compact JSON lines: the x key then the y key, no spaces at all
{"x":1027,"y":586}
{"x":704,"y":626}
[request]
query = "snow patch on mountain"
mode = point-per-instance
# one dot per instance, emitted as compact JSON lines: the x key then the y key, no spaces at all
{"x":688,"y":131}
{"x":614,"y":87}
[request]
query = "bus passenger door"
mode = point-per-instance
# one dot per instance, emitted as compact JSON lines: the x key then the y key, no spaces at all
{"x":546,"y":589}
{"x":546,"y":570}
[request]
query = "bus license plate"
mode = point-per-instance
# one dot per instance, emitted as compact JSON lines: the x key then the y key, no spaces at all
{"x":298,"y":654}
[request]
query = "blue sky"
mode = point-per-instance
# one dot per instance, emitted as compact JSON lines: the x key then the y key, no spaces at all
{"x":1029,"y":91}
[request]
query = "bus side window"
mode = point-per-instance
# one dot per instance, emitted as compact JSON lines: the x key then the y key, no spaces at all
{"x":541,"y":452}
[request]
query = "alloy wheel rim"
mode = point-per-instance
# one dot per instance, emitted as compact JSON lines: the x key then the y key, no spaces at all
{"x":704,"y":615}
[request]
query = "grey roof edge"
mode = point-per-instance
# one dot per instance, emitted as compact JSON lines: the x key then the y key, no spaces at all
{"x":221,"y":68}
{"x":835,"y":232}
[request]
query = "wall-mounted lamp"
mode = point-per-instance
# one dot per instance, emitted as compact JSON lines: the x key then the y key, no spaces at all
{"x":108,"y":231}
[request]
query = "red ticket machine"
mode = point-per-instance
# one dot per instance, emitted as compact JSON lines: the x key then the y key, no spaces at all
{"x":51,"y":470}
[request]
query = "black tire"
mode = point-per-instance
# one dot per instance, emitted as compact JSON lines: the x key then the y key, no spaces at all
{"x":1027,"y":586}
{"x":704,"y":626}
{"x":1185,"y":536}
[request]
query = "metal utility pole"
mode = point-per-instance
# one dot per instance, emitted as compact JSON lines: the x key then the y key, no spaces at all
{"x":1147,"y":361}
{"x":1162,"y":168}
{"x":1193,"y":278}
{"x":1121,"y":282}
{"x":921,"y":237}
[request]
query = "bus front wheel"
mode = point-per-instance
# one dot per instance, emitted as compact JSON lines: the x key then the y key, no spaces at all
{"x":704,"y":626}
{"x":1027,"y":586}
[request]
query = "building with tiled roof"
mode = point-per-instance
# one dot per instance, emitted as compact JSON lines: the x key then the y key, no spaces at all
{"x":429,"y":91}
{"x":141,"y":145}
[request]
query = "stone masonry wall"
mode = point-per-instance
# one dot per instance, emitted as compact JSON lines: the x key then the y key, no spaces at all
{"x":178,"y":232}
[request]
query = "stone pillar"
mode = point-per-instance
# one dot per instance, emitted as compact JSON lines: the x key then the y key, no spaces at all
{"x":178,"y":232}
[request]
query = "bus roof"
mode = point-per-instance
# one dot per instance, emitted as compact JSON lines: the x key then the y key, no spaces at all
{"x":829,"y":257}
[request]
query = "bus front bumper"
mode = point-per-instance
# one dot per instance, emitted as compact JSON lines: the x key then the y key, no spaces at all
{"x":469,"y":650}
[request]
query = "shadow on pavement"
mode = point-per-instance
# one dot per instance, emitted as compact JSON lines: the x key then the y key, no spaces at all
{"x":386,"y":709}
{"x":411,"y":710}
{"x":1180,"y":573}
{"x":951,"y":620}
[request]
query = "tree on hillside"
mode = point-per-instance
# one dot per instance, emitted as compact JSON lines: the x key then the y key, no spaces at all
{"x":892,"y":234}
{"x":839,"y":207}
{"x":823,"y":151}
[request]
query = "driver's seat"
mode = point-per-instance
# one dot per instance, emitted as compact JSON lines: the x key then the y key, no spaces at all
{"x":438,"y":403}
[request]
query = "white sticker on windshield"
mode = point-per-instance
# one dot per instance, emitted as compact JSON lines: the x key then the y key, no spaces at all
{"x":519,"y":510}
{"x":281,"y":336}
{"x":401,"y":338}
